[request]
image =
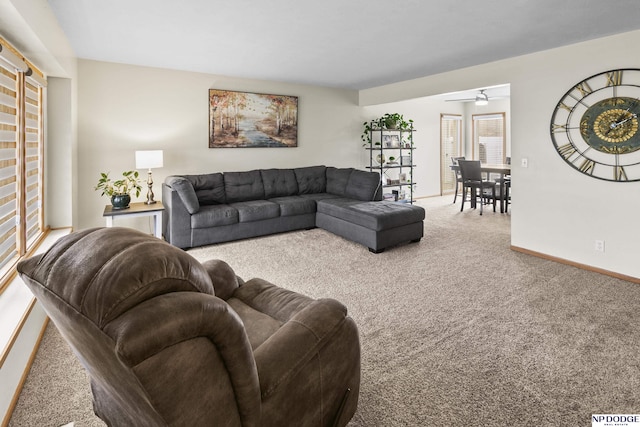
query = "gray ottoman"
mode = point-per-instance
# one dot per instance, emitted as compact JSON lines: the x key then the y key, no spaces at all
{"x":377,"y":225}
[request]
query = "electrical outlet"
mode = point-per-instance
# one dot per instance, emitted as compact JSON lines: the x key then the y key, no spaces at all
{"x":599,"y":246}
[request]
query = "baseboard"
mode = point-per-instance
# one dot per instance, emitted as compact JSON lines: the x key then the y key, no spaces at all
{"x":577,"y":264}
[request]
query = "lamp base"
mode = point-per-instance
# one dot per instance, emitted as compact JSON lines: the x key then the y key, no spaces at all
{"x":150,"y":200}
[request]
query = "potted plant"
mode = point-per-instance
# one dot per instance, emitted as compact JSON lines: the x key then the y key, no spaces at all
{"x":390,"y":121}
{"x":119,"y":191}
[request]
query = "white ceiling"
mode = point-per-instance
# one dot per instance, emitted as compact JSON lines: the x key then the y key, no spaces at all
{"x":354,"y":44}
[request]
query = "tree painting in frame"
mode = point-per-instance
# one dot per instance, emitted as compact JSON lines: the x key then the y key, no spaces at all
{"x":243,"y":119}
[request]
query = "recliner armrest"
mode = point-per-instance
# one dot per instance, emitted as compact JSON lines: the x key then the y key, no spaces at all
{"x":225,"y":281}
{"x":297,"y":342}
{"x":171,"y":319}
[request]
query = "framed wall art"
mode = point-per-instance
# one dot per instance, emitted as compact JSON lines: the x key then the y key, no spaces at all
{"x":391,"y":141}
{"x":243,"y":119}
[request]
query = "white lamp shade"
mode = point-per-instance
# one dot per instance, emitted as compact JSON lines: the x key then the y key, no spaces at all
{"x":148,"y":159}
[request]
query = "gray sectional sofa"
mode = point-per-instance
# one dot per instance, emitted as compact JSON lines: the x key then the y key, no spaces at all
{"x":220,"y":207}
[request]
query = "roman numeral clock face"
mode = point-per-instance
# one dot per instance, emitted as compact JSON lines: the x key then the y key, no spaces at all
{"x":594,"y":127}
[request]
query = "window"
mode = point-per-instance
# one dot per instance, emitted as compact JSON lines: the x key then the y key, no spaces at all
{"x":21,"y":158}
{"x":450,"y":146}
{"x":489,"y":137}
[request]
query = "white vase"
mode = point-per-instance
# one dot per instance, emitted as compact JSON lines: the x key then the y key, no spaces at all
{"x":380,"y":159}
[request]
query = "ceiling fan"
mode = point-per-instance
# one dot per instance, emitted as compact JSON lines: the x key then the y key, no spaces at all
{"x":480,"y":99}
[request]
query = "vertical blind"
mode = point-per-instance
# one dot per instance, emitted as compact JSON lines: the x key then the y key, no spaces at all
{"x":21,"y":158}
{"x":450,"y":141}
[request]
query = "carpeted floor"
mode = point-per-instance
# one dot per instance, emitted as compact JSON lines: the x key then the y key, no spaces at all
{"x":457,"y":330}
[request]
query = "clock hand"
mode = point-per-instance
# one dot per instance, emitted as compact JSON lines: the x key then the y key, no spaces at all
{"x":617,"y":122}
{"x":613,"y":126}
{"x":623,"y":114}
{"x":633,"y":116}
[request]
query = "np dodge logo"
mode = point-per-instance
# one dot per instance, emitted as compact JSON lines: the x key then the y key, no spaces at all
{"x":615,"y":420}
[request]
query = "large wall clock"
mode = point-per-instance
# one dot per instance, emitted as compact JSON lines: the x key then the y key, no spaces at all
{"x":594,"y":127}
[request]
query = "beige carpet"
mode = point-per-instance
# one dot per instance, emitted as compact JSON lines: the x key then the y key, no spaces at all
{"x":457,"y":330}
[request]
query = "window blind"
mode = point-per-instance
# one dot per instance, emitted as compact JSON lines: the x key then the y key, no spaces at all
{"x":33,"y":160}
{"x":21,"y":158}
{"x":8,"y":163}
{"x":489,"y":137}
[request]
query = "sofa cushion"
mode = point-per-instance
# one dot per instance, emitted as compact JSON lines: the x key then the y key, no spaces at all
{"x":295,"y":205}
{"x":372,"y":215}
{"x":279,"y":183}
{"x":243,"y":186}
{"x":362,"y":185}
{"x":213,"y":216}
{"x":337,"y":180}
{"x":186,"y":192}
{"x":256,"y":210}
{"x":209,"y":188}
{"x":312,"y":179}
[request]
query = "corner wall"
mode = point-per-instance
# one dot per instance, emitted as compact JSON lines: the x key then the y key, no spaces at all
{"x":123,"y":108}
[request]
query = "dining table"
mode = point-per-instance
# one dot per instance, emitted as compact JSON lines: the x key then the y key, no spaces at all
{"x":488,"y":168}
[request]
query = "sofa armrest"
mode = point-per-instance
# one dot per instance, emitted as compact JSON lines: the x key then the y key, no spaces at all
{"x":176,"y":221}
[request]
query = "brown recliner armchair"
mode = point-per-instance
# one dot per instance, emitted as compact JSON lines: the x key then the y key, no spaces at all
{"x":169,"y":341}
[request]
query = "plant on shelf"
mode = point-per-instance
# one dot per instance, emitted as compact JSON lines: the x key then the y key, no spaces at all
{"x":390,"y":121}
{"x":119,"y":191}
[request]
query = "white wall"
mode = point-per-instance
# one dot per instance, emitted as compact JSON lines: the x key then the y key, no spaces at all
{"x":556,"y":210}
{"x":123,"y":108}
{"x":59,"y":154}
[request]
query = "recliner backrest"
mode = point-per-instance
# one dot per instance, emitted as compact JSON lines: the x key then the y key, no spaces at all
{"x":146,"y":329}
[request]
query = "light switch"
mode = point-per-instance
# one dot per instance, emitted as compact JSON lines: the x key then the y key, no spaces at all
{"x":525,"y":162}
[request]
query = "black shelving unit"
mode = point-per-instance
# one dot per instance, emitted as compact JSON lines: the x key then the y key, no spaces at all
{"x":397,"y":143}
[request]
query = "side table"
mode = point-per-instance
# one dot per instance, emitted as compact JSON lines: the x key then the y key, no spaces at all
{"x":137,"y":209}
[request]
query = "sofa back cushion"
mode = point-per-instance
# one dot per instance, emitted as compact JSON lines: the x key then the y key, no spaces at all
{"x":185,"y":191}
{"x":279,"y":183}
{"x":311,"y":180}
{"x":243,"y":186}
{"x":209,"y":188}
{"x":363,"y":185}
{"x":337,"y":180}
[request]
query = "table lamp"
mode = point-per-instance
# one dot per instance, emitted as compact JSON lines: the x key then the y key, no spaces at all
{"x":149,"y":159}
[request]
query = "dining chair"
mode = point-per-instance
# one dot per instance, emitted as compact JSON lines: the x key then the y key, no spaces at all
{"x":505,"y":183}
{"x":454,"y":161}
{"x":506,"y":190}
{"x":472,"y":180}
